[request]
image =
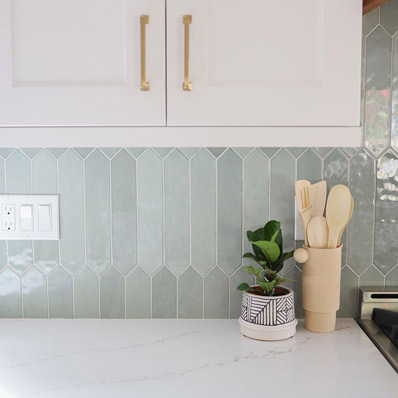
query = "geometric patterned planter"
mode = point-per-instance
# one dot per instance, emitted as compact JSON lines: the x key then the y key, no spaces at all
{"x":268,"y":318}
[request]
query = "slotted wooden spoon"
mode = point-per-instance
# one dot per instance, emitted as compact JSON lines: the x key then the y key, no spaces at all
{"x":338,"y":209}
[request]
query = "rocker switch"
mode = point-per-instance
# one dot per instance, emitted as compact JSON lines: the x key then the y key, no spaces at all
{"x":44,"y":218}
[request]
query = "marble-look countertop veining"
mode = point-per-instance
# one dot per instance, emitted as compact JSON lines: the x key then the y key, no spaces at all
{"x":185,"y":358}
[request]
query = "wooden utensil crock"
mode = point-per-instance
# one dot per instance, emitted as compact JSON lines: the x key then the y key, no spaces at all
{"x":321,"y":288}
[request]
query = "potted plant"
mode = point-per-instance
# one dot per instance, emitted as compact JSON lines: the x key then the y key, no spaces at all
{"x":267,"y":308}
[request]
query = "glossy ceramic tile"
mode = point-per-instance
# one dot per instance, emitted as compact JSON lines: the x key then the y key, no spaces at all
{"x":189,"y":152}
{"x":378,"y":90}
{"x":71,"y":191}
{"x":124,"y":212}
{"x":216,"y":294}
{"x":176,"y":212}
{"x":44,"y":174}
{"x":309,"y":167}
{"x":392,"y":278}
{"x":203,"y":211}
{"x":389,"y":17}
{"x":386,"y":228}
{"x":97,"y":194}
{"x":235,"y":296}
{"x":229,"y":212}
{"x":10,"y":294}
{"x":112,"y":294}
{"x":86,"y":294}
{"x":371,"y":277}
{"x":150,"y":212}
{"x":60,"y":293}
{"x":164,"y":294}
{"x":18,"y":174}
{"x":34,"y":291}
{"x":370,"y":21}
{"x":394,"y":105}
{"x":20,"y":254}
{"x":349,"y":297}
{"x":138,"y":294}
{"x":190,"y":294}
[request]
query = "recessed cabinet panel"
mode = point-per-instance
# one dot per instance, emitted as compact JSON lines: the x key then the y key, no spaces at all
{"x":78,"y":62}
{"x":265,"y":62}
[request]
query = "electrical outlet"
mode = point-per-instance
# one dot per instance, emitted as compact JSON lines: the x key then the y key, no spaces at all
{"x":8,"y":217}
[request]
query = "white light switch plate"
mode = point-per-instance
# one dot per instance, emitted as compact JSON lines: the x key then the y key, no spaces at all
{"x":31,"y":221}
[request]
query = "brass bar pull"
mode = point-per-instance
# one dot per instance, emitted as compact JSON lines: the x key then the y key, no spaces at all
{"x":187,"y":85}
{"x":144,"y":20}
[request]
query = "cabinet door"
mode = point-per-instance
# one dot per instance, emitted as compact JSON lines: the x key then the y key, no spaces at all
{"x":78,"y":62}
{"x":265,"y":62}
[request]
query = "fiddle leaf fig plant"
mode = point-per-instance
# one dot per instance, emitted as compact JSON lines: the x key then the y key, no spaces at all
{"x":267,"y":245}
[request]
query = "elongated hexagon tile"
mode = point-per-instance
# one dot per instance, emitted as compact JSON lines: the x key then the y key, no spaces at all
{"x":30,"y":152}
{"x":112,"y":294}
{"x":3,"y":254}
{"x":386,"y":231}
{"x":323,"y":151}
{"x":242,"y":151}
{"x":370,"y":21}
{"x":34,"y":290}
{"x":2,"y":177}
{"x":83,"y":152}
{"x":270,"y":151}
{"x":20,"y":254}
{"x":235,"y":296}
{"x":216,"y":294}
{"x":46,"y":254}
{"x":389,"y":16}
{"x":190,"y":294}
{"x":296,"y":152}
{"x":136,"y":152}
{"x":295,"y":274}
{"x":138,"y":294}
{"x":162,"y":152}
{"x":86,"y":294}
{"x":57,"y":152}
{"x":216,"y":151}
{"x":6,"y":152}
{"x":124,"y":212}
{"x":164,"y":294}
{"x":348,"y":294}
{"x":150,"y":212}
{"x":350,"y":151}
{"x":229,"y":211}
{"x":70,"y":188}
{"x":18,"y":174}
{"x":363,"y":88}
{"x":392,"y":278}
{"x":309,"y":167}
{"x":360,"y":228}
{"x":10,"y":297}
{"x":60,"y":294}
{"x":378,"y":91}
{"x":189,"y":152}
{"x":394,"y":109}
{"x":110,"y":152}
{"x":203,"y":211}
{"x":282,"y":195}
{"x":176,"y":209}
{"x":98,"y":224}
{"x":371,"y":277}
{"x":256,"y":187}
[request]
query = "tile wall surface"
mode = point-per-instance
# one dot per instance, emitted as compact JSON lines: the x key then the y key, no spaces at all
{"x":159,"y":232}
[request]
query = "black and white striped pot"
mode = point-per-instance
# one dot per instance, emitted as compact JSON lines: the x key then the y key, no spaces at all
{"x":268,"y":317}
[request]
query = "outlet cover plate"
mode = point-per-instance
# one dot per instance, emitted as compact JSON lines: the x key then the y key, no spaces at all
{"x":35,"y":201}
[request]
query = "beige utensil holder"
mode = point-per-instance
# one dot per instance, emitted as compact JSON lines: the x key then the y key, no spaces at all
{"x":321,"y":288}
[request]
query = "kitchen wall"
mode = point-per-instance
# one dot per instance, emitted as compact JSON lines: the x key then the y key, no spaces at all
{"x":160,"y":232}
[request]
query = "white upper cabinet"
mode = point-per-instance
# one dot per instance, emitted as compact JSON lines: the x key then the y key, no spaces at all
{"x":264,"y":62}
{"x":78,"y":63}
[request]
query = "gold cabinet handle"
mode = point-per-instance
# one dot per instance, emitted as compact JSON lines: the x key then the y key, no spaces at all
{"x":144,"y":20}
{"x":187,"y":85}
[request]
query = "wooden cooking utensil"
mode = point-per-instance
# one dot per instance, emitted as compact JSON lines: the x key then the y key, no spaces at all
{"x":317,"y":233}
{"x":318,"y":198}
{"x":348,"y":220}
{"x":338,"y":209}
{"x":304,"y":207}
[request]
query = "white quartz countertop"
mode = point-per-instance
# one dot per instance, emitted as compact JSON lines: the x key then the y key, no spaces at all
{"x":185,"y":358}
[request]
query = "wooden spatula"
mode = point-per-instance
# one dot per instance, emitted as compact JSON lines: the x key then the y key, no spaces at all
{"x":348,"y":220}
{"x":317,"y":233}
{"x":338,"y":209}
{"x":304,"y":207}
{"x":318,"y":198}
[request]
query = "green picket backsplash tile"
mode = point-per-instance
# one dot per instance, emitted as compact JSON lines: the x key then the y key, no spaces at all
{"x":229,"y":211}
{"x":176,"y":209}
{"x":71,"y":191}
{"x":10,"y":297}
{"x":138,"y":294}
{"x":98,"y":211}
{"x":60,"y":294}
{"x":165,"y":228}
{"x":112,"y":294}
{"x":124,"y":212}
{"x":34,"y":290}
{"x":86,"y":294}
{"x":203,"y":211}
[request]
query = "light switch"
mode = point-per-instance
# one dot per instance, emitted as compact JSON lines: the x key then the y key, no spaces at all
{"x":26,"y":212}
{"x":44,"y":217}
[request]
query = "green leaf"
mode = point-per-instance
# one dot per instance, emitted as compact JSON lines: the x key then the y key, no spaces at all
{"x":255,"y":272}
{"x":250,"y":255}
{"x":270,"y":249}
{"x":260,"y":234}
{"x":243,"y":287}
{"x":251,"y":236}
{"x":271,"y":230}
{"x":268,"y":287}
{"x":283,"y":280}
{"x":288,"y":255}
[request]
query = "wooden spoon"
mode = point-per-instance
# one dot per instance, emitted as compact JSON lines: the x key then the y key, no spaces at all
{"x":338,"y":209}
{"x":317,"y":232}
{"x":348,"y":220}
